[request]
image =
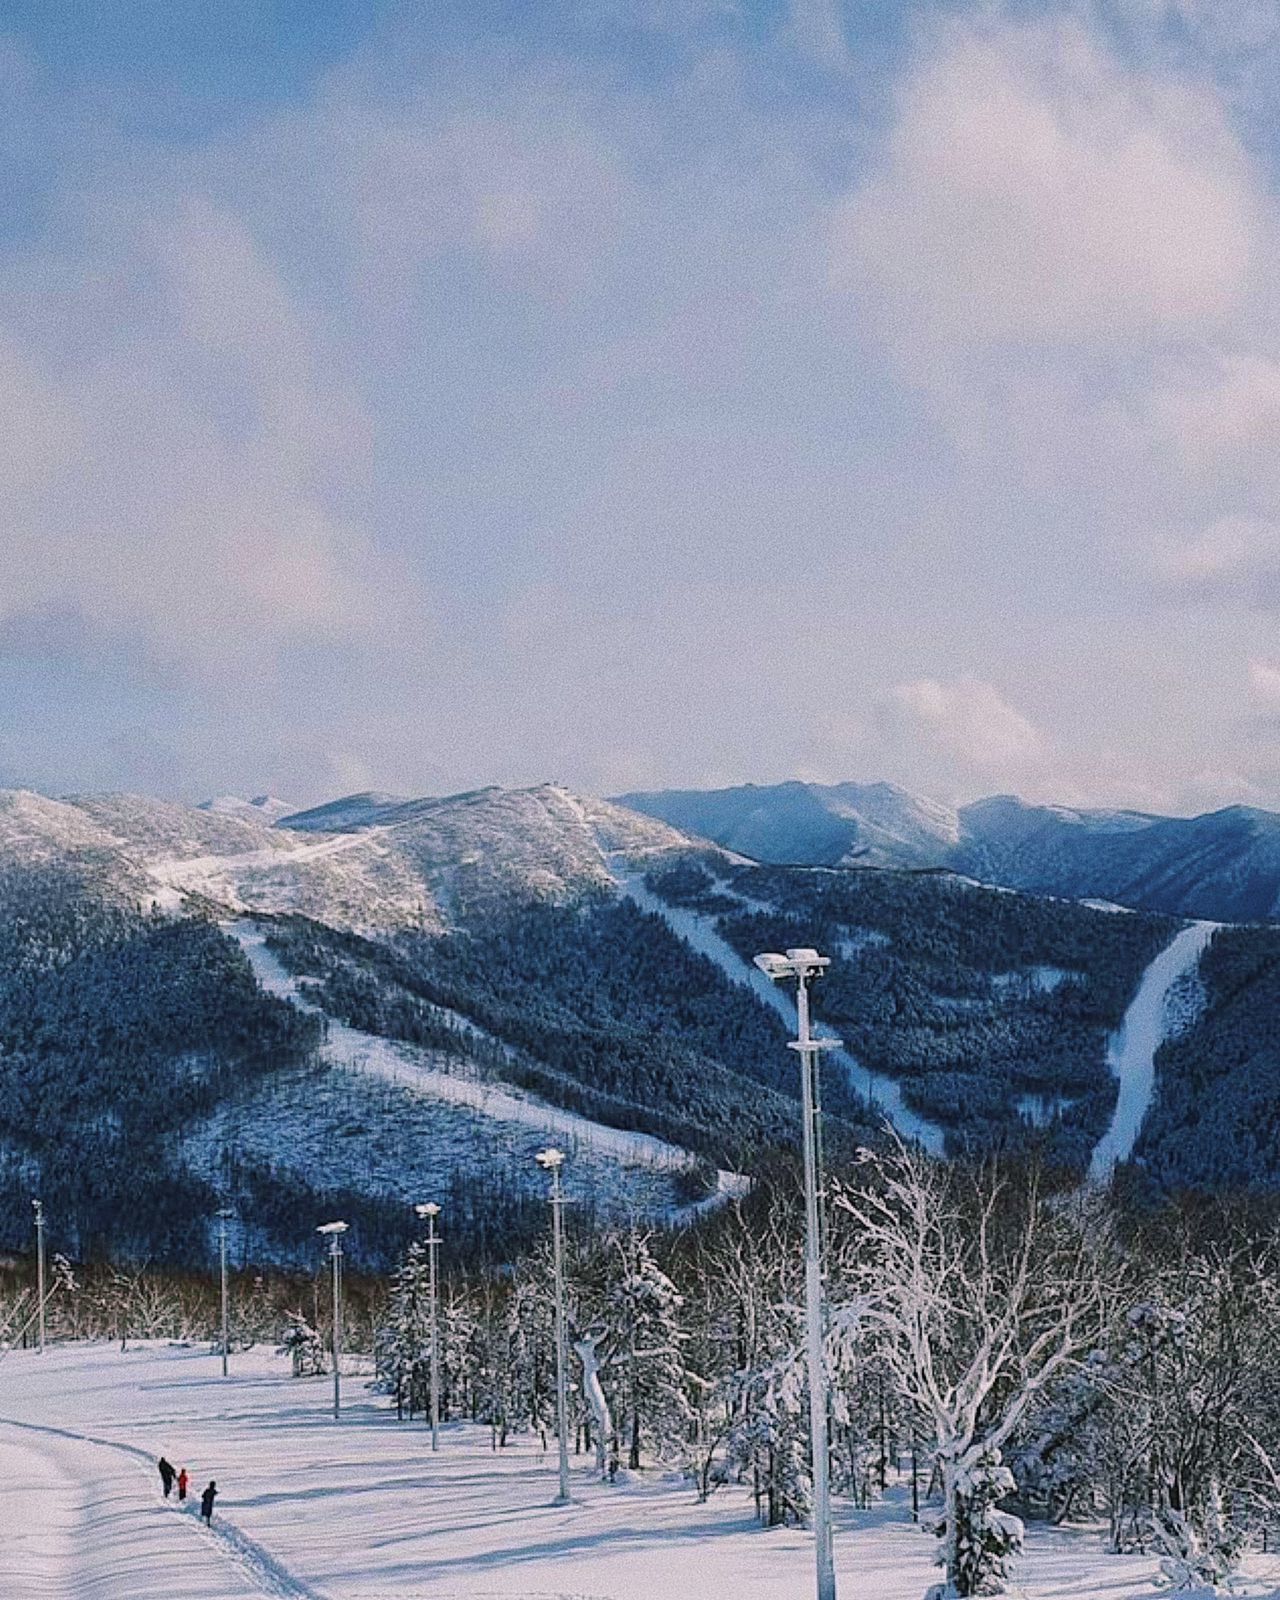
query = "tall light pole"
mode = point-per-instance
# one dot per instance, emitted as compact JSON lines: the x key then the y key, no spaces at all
{"x":430,"y":1210}
{"x":335,"y":1230}
{"x":224,"y":1216}
{"x":804,"y":965}
{"x":38,"y":1207}
{"x":551,"y":1160}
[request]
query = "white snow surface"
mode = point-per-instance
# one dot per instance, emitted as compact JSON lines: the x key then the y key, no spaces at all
{"x":411,"y":1067}
{"x":699,"y":931}
{"x":1157,"y":1012}
{"x":361,"y":1509}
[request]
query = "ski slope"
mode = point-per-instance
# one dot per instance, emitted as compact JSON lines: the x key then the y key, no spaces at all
{"x":310,"y":1509}
{"x":410,"y":1067}
{"x":700,"y":932}
{"x":1131,"y":1053}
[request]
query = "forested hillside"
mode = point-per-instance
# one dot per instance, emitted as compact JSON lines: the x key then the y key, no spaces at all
{"x":114,"y":1029}
{"x":991,"y":1009}
{"x":1215,"y":1120}
{"x":597,"y":1007}
{"x":147,"y":1075}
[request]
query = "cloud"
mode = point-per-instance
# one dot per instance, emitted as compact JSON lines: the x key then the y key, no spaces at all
{"x":185,"y":474}
{"x":971,"y":724}
{"x":461,"y":417}
{"x":1264,"y":682}
{"x":1233,"y":558}
{"x":1220,"y":420}
{"x":1033,"y":191}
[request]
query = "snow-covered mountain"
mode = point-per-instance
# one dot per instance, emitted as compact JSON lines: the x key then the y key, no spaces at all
{"x":426,"y":978}
{"x":351,"y":811}
{"x":1223,"y":865}
{"x":871,"y":824}
{"x":378,"y":865}
{"x":261,"y":808}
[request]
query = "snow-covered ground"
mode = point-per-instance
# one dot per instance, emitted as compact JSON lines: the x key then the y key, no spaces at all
{"x":1157,"y":1011}
{"x":310,"y":1509}
{"x":700,"y":932}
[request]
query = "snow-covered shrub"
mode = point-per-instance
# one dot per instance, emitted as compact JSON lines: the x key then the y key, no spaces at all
{"x":985,"y":1538}
{"x":1200,"y":1553}
{"x":303,"y":1344}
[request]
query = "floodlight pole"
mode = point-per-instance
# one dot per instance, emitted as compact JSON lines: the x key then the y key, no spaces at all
{"x":431,"y":1211}
{"x":38,"y":1207}
{"x":552,"y":1160}
{"x":335,"y":1230}
{"x":803,"y":965}
{"x":224,"y":1216}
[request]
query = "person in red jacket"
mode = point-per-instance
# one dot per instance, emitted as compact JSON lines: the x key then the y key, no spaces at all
{"x":183,"y":1481}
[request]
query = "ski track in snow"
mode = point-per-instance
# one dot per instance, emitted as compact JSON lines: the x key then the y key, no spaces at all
{"x":1131,"y":1051}
{"x":403,"y":1064}
{"x":262,"y":1573}
{"x":699,"y":931}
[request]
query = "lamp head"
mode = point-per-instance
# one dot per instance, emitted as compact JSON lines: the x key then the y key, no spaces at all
{"x":550,"y":1158}
{"x":332,"y":1227}
{"x":428,"y":1209}
{"x":809,"y":959}
{"x":773,"y":965}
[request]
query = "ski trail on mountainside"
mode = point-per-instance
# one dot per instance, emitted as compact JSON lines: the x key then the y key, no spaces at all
{"x":165,"y":1564}
{"x":409,"y":1066}
{"x":700,"y":932}
{"x":1132,"y":1049}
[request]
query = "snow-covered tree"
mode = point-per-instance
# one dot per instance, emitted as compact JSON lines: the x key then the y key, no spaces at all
{"x":979,"y":1295}
{"x":986,"y":1538}
{"x":304,"y":1346}
{"x":402,"y":1340}
{"x":646,"y":1367}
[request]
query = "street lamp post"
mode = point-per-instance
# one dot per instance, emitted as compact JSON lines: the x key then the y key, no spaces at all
{"x":38,"y":1207}
{"x":551,"y":1160}
{"x":804,"y":965}
{"x":430,"y":1210}
{"x":335,"y":1230}
{"x":224,"y":1216}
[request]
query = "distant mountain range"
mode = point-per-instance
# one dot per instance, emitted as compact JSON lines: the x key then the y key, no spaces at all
{"x":1223,"y":865}
{"x":327,"y":1010}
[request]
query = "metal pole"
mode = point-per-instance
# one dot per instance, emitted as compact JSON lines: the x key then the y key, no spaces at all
{"x":432,"y":1241}
{"x":825,"y":1567}
{"x":39,"y":1211}
{"x":335,"y":1252}
{"x":222,"y":1265}
{"x":562,"y":1409}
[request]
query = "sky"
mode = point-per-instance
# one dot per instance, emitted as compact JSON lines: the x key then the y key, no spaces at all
{"x":641,"y":393}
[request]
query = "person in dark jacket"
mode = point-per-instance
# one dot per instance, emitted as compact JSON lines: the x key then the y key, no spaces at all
{"x":167,"y":1475}
{"x":207,"y":1499}
{"x":183,"y":1481}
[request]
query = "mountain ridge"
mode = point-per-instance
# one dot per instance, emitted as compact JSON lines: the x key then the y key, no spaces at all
{"x":1222,"y":864}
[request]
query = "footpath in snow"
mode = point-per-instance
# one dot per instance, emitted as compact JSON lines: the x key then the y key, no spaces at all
{"x":361,"y":1509}
{"x":1131,"y":1053}
{"x":700,"y":932}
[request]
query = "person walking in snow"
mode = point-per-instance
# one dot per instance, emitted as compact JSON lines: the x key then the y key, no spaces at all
{"x":183,"y":1481}
{"x":207,"y":1499}
{"x":167,"y":1475}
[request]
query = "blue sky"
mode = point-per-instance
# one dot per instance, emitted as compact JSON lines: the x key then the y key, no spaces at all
{"x":641,"y":392}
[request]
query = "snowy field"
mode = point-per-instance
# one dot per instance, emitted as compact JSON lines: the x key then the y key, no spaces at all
{"x":361,"y":1510}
